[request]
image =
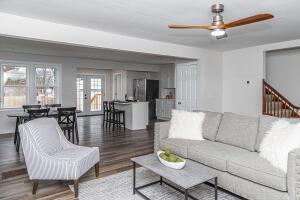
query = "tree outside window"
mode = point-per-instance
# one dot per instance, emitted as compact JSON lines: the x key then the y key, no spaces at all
{"x":45,"y":85}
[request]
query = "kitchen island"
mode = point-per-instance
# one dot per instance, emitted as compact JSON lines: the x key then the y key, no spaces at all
{"x":136,"y":114}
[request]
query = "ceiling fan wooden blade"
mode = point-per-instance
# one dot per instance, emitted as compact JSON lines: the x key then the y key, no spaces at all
{"x":189,"y":27}
{"x":247,"y":20}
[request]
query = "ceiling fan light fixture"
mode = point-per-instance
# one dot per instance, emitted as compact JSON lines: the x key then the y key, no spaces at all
{"x":218,"y":32}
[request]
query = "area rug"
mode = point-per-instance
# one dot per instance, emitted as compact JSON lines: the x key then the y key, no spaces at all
{"x":119,"y":187}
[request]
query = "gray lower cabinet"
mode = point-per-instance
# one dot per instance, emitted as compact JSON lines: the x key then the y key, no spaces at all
{"x":164,"y":108}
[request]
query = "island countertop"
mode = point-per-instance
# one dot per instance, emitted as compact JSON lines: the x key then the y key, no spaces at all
{"x":136,"y":114}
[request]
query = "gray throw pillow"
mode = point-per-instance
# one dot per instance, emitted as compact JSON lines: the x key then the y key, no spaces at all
{"x":238,"y":130}
{"x":211,"y":124}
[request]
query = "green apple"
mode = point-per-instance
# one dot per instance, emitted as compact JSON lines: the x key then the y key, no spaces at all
{"x":172,"y":158}
{"x":168,"y":152}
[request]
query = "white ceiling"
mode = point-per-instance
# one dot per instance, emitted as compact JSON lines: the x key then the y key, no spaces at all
{"x":49,"y":49}
{"x":149,"y":19}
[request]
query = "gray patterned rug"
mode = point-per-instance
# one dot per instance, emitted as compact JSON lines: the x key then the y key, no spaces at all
{"x":119,"y":187}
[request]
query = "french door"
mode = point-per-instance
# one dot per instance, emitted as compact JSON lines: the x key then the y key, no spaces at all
{"x":186,"y":86}
{"x":90,"y":93}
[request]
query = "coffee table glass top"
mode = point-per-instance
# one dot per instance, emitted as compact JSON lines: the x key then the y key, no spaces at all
{"x":191,"y":175}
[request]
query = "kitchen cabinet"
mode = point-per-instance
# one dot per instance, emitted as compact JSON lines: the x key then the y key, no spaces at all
{"x":167,"y":76}
{"x":164,"y":108}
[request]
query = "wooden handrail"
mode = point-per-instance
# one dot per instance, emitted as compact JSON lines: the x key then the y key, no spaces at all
{"x":276,"y":104}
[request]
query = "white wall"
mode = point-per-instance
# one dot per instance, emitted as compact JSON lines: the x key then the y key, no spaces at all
{"x":210,"y":82}
{"x":283,"y":71}
{"x":69,"y":73}
{"x":242,"y":65}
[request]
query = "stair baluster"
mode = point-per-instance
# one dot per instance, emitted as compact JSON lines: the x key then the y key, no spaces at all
{"x":275,"y":104}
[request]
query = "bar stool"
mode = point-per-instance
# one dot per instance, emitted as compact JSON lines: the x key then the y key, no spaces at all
{"x":115,"y":116}
{"x":106,"y":112}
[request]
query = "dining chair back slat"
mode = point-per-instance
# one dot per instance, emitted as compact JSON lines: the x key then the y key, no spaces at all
{"x":67,"y":120}
{"x":38,"y":113}
{"x":26,"y":107}
{"x":57,"y":105}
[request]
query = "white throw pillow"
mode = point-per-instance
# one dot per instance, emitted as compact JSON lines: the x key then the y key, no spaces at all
{"x":186,"y":125}
{"x":282,"y":138}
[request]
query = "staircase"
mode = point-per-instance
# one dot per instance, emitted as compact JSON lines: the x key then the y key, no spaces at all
{"x":277,"y":105}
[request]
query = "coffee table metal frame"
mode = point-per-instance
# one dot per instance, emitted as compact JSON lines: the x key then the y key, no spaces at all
{"x":161,"y":181}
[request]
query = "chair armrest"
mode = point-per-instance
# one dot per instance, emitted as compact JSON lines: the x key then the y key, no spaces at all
{"x":161,"y":132}
{"x":293,"y":174}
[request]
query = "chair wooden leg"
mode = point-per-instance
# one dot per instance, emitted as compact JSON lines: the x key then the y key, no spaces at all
{"x":76,"y":186}
{"x":73,"y":136}
{"x":97,"y":169}
{"x":35,"y":186}
{"x":114,"y":121}
{"x":124,"y":120}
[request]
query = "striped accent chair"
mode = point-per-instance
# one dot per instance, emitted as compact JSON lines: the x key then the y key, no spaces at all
{"x":50,"y":156}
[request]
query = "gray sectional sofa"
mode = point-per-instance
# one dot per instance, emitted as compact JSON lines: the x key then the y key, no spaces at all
{"x":231,"y":148}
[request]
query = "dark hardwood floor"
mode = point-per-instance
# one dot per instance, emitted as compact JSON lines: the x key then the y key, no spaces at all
{"x":116,"y":149}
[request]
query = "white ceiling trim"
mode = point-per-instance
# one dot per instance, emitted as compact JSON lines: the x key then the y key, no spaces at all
{"x":23,"y":27}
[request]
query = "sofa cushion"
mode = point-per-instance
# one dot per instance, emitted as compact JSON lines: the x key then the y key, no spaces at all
{"x":178,"y":146}
{"x":213,"y":154}
{"x":211,"y":124}
{"x":252,"y":167}
{"x":238,"y":130}
{"x":265,"y":124}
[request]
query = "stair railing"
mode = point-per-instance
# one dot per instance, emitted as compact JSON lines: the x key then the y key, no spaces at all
{"x":277,"y":105}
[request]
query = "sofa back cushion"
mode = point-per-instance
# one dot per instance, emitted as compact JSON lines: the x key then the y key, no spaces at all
{"x":265,"y":125}
{"x":211,"y":124}
{"x":238,"y":130}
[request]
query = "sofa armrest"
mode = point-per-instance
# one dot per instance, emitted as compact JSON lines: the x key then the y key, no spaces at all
{"x":293,"y":174}
{"x":161,"y":132}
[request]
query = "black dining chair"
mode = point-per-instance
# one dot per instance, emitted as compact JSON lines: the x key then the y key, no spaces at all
{"x":26,"y":107}
{"x":115,"y":116}
{"x":38,"y":113}
{"x":67,"y":122}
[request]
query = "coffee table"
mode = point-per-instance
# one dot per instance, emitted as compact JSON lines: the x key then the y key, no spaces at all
{"x":191,"y":175}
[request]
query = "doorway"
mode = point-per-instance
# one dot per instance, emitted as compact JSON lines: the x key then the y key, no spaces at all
{"x":90,"y":93}
{"x":117,"y":86}
{"x":186,"y":86}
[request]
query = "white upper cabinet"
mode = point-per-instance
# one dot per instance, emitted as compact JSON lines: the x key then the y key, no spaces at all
{"x":167,"y":76}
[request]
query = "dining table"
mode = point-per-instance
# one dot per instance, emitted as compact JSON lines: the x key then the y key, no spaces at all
{"x":22,"y":117}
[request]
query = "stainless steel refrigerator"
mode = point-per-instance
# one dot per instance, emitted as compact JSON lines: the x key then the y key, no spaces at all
{"x":147,"y":90}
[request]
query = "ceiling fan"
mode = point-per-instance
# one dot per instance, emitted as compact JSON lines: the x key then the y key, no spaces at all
{"x":218,"y":26}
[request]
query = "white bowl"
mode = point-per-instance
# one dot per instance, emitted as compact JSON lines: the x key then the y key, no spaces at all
{"x":173,"y":165}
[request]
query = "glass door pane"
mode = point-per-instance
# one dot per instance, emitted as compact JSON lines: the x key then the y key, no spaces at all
{"x":96,"y":88}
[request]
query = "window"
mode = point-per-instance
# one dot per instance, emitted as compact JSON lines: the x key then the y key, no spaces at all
{"x":27,"y":83}
{"x":14,"y":90}
{"x":45,"y":84}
